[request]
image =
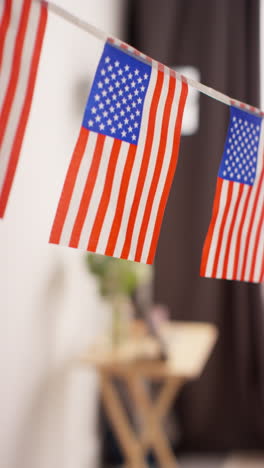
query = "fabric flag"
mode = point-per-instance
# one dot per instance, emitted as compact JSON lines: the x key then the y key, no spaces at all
{"x":234,"y":246}
{"x":22,"y":27}
{"x":122,"y":168}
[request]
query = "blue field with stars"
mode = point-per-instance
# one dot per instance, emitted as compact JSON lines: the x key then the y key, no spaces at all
{"x":239,"y":163}
{"x":115,"y":104}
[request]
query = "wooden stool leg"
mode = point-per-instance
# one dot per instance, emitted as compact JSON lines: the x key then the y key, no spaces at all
{"x":168,"y":393}
{"x":156,"y":434}
{"x":117,"y":416}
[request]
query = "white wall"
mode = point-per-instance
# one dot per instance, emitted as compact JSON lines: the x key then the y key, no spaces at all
{"x":49,"y":309}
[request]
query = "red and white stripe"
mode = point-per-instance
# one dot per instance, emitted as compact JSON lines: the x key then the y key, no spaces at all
{"x":115,"y":193}
{"x":234,"y":246}
{"x":130,"y":49}
{"x":22,"y":30}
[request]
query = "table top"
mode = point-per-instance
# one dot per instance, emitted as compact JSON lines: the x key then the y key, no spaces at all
{"x":188,"y":345}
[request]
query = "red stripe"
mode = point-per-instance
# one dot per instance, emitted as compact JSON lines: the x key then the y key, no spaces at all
{"x":124,"y":45}
{"x":16,"y":67}
{"x":170,"y":175}
{"x":144,"y":164}
{"x":209,"y":236}
{"x":121,"y":201}
{"x":257,"y":243}
{"x":231,"y":229}
{"x":104,"y":202}
{"x":222,"y":227}
{"x":262,"y":270}
{"x":130,"y":49}
{"x":158,"y":168}
{"x":68,"y":187}
{"x":239,"y":237}
{"x":250,"y":228}
{"x":4,"y":26}
{"x":14,"y":155}
{"x":88,"y":191}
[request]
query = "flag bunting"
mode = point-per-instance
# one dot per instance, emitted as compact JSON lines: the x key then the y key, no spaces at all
{"x":22,"y":27}
{"x":123,"y":165}
{"x":234,"y":245}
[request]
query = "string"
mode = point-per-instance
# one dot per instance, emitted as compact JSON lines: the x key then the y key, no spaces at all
{"x":217,"y":95}
{"x":77,"y":21}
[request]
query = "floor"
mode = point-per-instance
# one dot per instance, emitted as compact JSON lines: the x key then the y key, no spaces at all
{"x":233,"y":461}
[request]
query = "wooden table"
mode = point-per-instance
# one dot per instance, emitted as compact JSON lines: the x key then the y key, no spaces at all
{"x":135,"y":362}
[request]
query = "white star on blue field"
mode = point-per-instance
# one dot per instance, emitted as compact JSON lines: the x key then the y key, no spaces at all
{"x":116,"y":100}
{"x":239,"y":163}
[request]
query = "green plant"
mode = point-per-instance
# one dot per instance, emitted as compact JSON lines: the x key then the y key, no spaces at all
{"x":116,"y":276}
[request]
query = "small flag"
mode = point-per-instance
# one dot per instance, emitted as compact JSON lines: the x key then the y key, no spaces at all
{"x":234,"y":246}
{"x":22,"y":27}
{"x":122,"y":168}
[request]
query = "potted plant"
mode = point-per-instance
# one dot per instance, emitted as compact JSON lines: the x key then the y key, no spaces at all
{"x":118,"y":281}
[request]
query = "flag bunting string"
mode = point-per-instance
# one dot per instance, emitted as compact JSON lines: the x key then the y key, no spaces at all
{"x":118,"y":181}
{"x":208,"y":91}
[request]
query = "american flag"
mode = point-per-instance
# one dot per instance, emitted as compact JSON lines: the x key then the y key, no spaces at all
{"x":123,"y":164}
{"x":22,"y":27}
{"x":234,"y":246}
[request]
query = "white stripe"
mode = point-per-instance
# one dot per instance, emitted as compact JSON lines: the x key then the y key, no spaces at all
{"x":111,"y":209}
{"x":233,"y":244}
{"x":136,"y":52}
{"x":151,"y":166}
{"x":117,"y":42}
{"x":130,"y":49}
{"x":223,"y":247}
{"x":143,"y":56}
{"x":245,"y":230}
{"x":252,"y":238}
{"x":214,"y":241}
{"x":260,"y":251}
{"x":78,"y":189}
{"x":137,"y":163}
{"x":250,"y":207}
{"x":8,"y":52}
{"x":24,"y":73}
{"x":163,"y":173}
{"x":259,"y":257}
{"x":234,"y":240}
{"x":97,"y":192}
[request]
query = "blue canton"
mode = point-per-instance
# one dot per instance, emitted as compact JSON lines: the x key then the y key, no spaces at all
{"x":239,"y":162}
{"x":116,"y":100}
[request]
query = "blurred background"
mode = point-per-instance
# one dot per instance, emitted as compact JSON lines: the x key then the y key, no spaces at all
{"x":51,"y":307}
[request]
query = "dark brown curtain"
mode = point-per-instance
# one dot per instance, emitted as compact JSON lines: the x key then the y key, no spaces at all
{"x":225,"y":408}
